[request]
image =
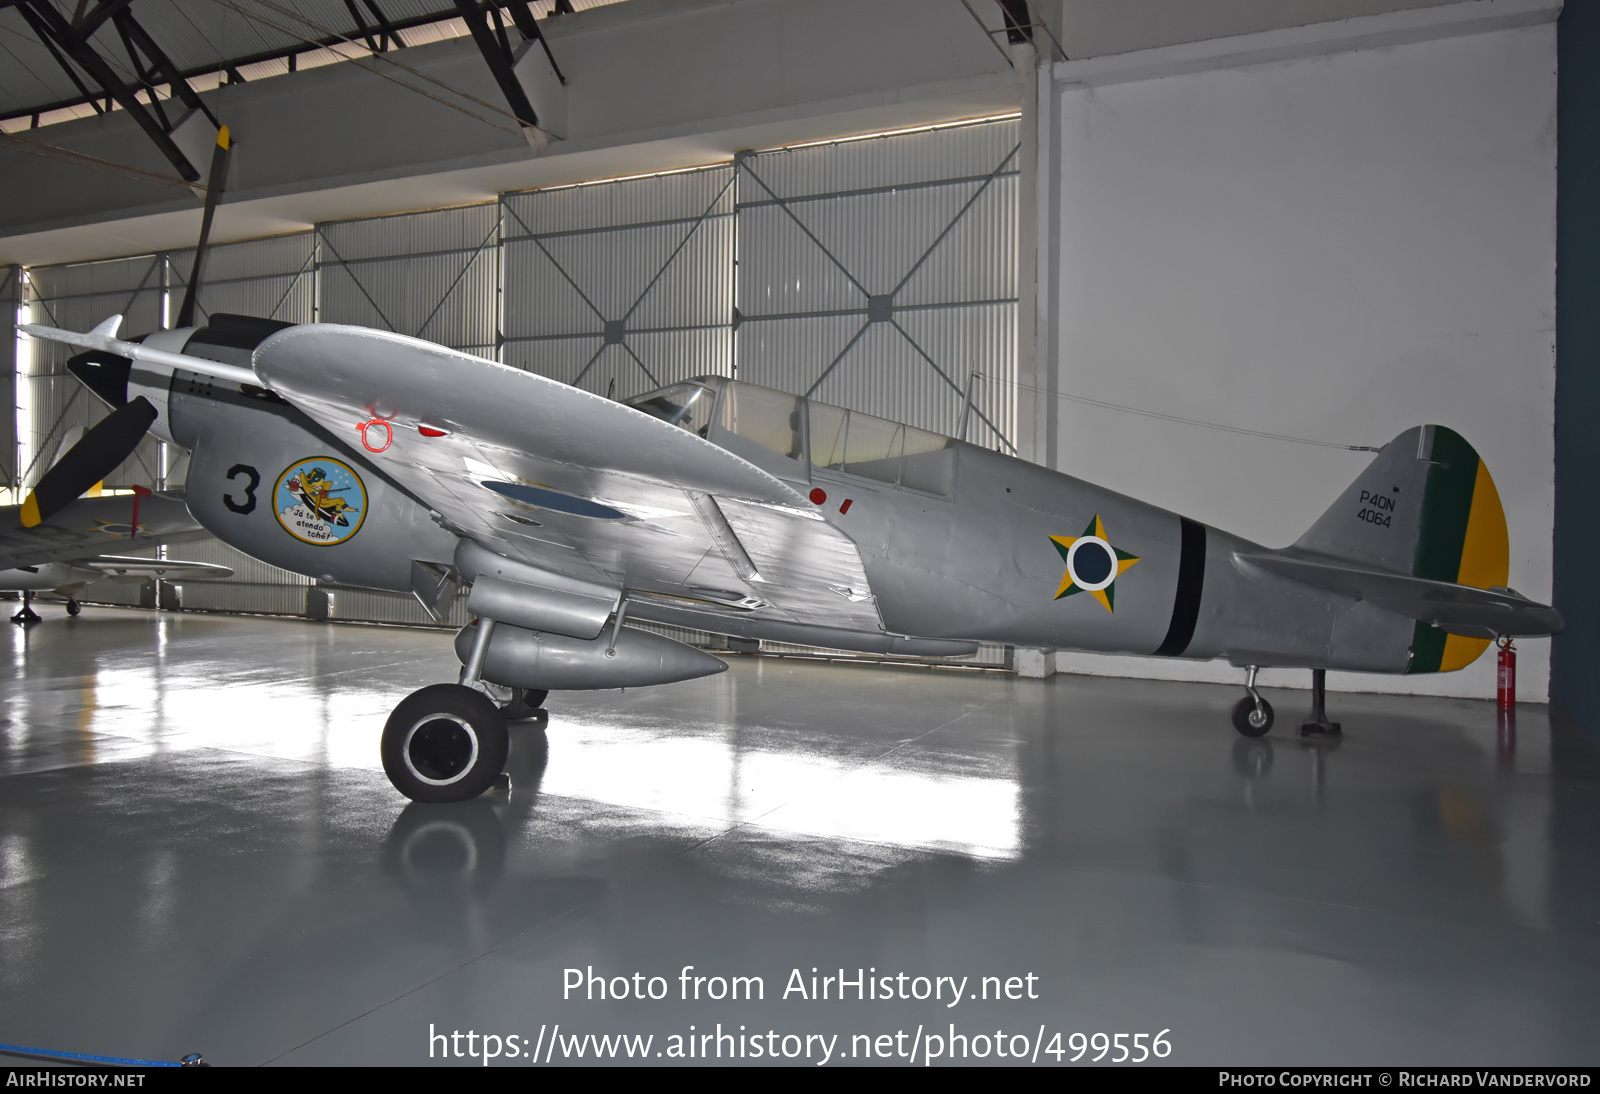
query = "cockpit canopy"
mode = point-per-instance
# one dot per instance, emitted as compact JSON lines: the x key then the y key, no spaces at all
{"x":789,"y":435}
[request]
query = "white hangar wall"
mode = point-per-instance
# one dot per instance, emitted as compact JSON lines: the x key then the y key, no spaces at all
{"x":1330,"y":233}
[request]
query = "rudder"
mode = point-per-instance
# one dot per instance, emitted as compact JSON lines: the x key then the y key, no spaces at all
{"x":1426,"y":506}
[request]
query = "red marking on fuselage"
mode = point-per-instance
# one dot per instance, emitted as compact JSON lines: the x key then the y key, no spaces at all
{"x":845,"y":508}
{"x":818,"y":495}
{"x":432,"y":431}
{"x":367,"y":441}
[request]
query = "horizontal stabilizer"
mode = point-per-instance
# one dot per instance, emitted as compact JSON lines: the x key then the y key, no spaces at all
{"x":1458,"y":609}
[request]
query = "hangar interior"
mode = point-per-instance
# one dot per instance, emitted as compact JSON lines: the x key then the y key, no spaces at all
{"x":1212,"y":255}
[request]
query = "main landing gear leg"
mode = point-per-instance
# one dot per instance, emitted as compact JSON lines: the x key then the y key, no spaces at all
{"x":447,"y":742}
{"x":526,"y":705}
{"x":1252,"y":715}
{"x":1318,"y":725}
{"x":27,"y":614}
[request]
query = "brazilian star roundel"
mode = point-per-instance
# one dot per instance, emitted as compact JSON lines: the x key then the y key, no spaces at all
{"x":1092,"y":564}
{"x":320,"y":500}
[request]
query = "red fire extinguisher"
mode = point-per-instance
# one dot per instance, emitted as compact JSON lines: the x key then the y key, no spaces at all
{"x":1506,"y":678}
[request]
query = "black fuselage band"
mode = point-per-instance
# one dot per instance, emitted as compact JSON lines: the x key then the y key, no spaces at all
{"x":1191,"y":582}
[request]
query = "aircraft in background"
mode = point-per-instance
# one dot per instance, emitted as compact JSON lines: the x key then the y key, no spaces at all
{"x":372,"y":459}
{"x":66,"y":552}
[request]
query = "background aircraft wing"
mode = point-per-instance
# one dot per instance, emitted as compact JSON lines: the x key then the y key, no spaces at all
{"x":125,"y":566}
{"x":572,"y":482}
{"x":90,"y":527}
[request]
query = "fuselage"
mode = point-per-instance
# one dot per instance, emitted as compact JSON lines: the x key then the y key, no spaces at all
{"x":959,"y":544}
{"x":989,"y":563}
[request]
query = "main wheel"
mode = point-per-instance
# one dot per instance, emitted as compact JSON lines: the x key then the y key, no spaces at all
{"x":1250,"y":721}
{"x":445,"y":743}
{"x":73,"y":607}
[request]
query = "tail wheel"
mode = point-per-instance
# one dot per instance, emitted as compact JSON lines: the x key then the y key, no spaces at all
{"x":445,"y":743}
{"x":73,"y":607}
{"x":1250,"y":720}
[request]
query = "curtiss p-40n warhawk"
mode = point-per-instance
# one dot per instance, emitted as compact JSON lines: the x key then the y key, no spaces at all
{"x":367,"y":458}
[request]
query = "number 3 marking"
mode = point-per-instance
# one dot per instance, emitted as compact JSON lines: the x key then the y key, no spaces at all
{"x":248,"y":505}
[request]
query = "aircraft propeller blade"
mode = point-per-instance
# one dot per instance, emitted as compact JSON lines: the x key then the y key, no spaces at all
{"x":214,"y":184}
{"x":89,"y":461}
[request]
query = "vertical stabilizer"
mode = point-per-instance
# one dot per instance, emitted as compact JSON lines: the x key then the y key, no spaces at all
{"x":1427,"y":507}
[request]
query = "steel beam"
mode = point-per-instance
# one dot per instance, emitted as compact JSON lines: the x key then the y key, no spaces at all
{"x":361,"y":26}
{"x":499,"y":60}
{"x":85,"y":26}
{"x":387,"y":34}
{"x":45,"y":40}
{"x":287,"y":53}
{"x":48,"y":21}
{"x":522,"y":16}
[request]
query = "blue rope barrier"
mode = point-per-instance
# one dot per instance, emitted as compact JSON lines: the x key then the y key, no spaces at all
{"x":23,"y":1050}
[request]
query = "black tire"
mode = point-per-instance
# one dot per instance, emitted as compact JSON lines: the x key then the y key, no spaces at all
{"x":445,"y":743}
{"x":1245,"y":718}
{"x":73,"y":607}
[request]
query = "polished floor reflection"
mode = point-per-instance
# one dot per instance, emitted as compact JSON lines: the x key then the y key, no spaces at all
{"x":199,"y":852}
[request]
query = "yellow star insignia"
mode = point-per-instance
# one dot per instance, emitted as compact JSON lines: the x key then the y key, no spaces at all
{"x":1093,"y":565}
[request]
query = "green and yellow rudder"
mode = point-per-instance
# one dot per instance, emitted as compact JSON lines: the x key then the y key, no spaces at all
{"x":1462,"y":539}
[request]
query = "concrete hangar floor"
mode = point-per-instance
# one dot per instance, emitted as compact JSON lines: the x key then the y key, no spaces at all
{"x":199,"y":853}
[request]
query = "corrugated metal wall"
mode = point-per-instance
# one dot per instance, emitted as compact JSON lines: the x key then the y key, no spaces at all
{"x":431,"y":275}
{"x":623,"y":286}
{"x":56,"y":405}
{"x":879,"y":274}
{"x":10,"y":295}
{"x":274,"y":278}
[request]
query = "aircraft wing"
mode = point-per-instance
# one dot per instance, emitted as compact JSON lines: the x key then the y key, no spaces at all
{"x":1460,"y":609}
{"x":572,"y":482}
{"x":89,"y":527}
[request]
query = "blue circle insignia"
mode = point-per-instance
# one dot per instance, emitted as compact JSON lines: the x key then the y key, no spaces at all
{"x":320,"y":500}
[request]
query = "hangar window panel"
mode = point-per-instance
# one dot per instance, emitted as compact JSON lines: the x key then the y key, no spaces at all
{"x":431,"y":275}
{"x":632,"y":278}
{"x":881,"y":274}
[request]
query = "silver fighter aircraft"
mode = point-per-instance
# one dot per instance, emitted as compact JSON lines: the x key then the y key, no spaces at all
{"x":63,"y":554}
{"x":368,"y":458}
